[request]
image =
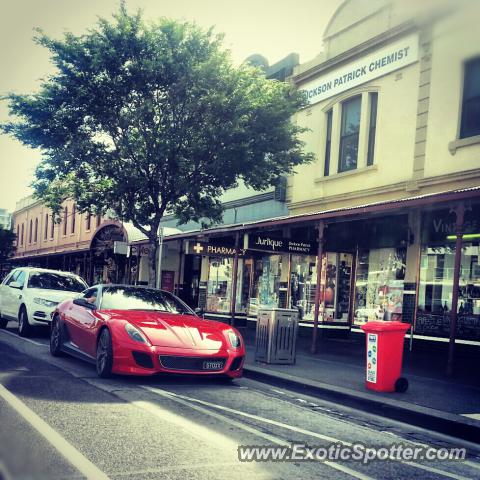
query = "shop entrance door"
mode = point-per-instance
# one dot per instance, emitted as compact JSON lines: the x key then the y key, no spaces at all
{"x":191,"y":280}
{"x":337,"y":278}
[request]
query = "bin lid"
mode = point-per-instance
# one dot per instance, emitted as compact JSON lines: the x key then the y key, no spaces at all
{"x":392,"y":326}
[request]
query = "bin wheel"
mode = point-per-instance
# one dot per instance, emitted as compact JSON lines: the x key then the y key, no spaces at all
{"x":401,"y":385}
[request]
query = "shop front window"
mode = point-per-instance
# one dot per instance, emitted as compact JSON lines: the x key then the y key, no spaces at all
{"x":219,"y":285}
{"x":436,"y":290}
{"x":379,"y":284}
{"x":267,"y":288}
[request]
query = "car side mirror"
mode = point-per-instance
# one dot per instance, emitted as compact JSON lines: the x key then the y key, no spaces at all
{"x":82,"y":302}
{"x":17,"y":285}
{"x":199,"y":312}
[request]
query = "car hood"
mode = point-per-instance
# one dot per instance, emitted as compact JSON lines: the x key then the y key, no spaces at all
{"x":178,"y":331}
{"x":52,"y":295}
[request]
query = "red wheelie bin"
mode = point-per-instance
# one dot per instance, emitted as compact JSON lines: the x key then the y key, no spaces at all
{"x":384,"y":342}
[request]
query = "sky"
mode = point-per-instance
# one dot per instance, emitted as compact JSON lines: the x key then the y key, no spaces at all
{"x":273,"y":28}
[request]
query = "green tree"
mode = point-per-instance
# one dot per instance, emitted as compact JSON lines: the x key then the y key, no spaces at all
{"x":7,"y":248}
{"x":144,"y":118}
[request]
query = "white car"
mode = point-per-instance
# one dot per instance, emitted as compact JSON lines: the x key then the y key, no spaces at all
{"x":29,"y":295}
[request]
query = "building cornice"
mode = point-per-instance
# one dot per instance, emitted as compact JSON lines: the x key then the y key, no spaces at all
{"x":356,"y":51}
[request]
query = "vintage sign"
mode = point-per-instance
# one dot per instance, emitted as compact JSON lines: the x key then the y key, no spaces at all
{"x":210,"y":249}
{"x":385,"y":60}
{"x":168,"y":280}
{"x":266,"y":243}
{"x":372,"y":355}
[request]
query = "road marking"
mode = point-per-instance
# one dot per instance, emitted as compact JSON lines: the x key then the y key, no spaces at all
{"x":185,"y":400}
{"x":247,"y":428}
{"x":66,"y":449}
{"x":475,"y":416}
{"x":23,"y":338}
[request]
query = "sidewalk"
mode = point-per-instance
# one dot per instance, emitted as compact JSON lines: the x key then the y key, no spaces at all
{"x":337,"y":373}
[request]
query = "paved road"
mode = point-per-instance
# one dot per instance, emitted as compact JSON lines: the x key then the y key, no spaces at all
{"x":58,"y":420}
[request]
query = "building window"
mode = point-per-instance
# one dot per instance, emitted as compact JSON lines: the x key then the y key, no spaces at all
{"x":88,"y":221}
{"x":45,"y":234}
{"x":328,"y":144}
{"x":18,"y":232}
{"x":470,"y":124}
{"x":65,"y":220}
{"x":74,"y":211}
{"x":23,"y":231}
{"x":373,"y":127}
{"x":349,"y":134}
{"x":52,"y":228}
{"x":99,"y":220}
{"x":35,"y":236}
{"x":30,"y":232}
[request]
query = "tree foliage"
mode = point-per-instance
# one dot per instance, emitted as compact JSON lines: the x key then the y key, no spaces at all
{"x":143,"y":118}
{"x":7,"y":248}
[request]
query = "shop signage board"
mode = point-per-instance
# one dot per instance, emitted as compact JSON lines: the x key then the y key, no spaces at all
{"x":210,"y":249}
{"x":396,"y":55}
{"x":168,"y":280}
{"x":265,"y":243}
{"x":372,"y":347}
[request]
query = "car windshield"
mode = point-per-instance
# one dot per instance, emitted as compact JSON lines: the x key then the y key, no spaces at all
{"x":134,"y":298}
{"x":56,"y":281}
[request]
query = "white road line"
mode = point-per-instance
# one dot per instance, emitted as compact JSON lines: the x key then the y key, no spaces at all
{"x":254,"y":431}
{"x":66,"y":449}
{"x":23,"y":338}
{"x":475,"y":416}
{"x":186,"y":400}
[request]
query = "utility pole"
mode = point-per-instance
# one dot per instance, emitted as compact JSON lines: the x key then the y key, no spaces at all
{"x":159,"y":264}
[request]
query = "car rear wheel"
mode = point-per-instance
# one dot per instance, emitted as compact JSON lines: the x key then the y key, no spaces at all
{"x":24,"y":327}
{"x":104,"y":354}
{"x":55,"y":338}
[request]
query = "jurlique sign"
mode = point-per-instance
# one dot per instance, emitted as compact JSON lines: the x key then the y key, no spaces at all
{"x":266,"y":243}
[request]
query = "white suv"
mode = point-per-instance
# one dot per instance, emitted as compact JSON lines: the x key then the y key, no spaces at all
{"x":29,"y":295}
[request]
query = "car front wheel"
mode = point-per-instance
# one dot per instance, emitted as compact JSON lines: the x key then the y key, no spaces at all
{"x":104,"y":354}
{"x":55,"y":338}
{"x":24,"y":327}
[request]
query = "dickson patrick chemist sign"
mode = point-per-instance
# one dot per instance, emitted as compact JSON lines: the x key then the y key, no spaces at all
{"x":396,"y":55}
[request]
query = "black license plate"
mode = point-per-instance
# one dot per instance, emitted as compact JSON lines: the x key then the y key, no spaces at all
{"x":212,"y":365}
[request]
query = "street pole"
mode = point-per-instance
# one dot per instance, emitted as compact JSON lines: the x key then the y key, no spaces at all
{"x":321,"y":240}
{"x":159,"y":264}
{"x":460,"y":213}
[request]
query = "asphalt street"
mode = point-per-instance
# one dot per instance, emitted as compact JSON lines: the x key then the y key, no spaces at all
{"x":58,"y":420}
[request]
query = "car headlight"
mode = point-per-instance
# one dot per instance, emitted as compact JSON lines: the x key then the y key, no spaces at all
{"x":234,"y":339}
{"x":45,"y":302}
{"x":136,"y":334}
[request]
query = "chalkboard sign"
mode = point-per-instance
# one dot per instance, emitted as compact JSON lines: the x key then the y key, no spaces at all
{"x":202,"y":295}
{"x":468,"y":326}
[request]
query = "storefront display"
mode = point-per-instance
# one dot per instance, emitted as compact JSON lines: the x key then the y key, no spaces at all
{"x":379,"y":284}
{"x":303,"y":284}
{"x":436,"y":287}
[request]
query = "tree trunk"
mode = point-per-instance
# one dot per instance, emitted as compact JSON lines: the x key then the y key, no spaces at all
{"x":152,"y":263}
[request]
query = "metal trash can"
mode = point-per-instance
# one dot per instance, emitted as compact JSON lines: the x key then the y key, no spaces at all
{"x":276,"y":335}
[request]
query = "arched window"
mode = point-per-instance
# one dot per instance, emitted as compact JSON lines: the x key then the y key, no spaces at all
{"x":35,"y":236}
{"x":52,"y":227}
{"x":88,"y":221}
{"x":23,"y":231}
{"x":74,"y":211}
{"x":99,"y":220}
{"x":65,"y":220}
{"x":30,"y":232}
{"x":45,"y":234}
{"x":18,"y":233}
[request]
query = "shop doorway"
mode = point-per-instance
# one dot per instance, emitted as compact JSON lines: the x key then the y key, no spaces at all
{"x":191,"y":280}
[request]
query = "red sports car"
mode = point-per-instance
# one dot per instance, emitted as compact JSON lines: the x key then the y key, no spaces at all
{"x":143,"y":331}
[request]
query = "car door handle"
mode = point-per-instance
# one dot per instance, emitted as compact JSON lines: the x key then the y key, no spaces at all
{"x":19,"y":297}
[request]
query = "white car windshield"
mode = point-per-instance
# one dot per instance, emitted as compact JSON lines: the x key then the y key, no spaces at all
{"x":56,"y":281}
